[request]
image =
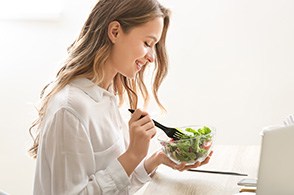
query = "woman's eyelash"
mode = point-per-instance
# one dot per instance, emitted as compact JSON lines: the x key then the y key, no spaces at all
{"x":147,"y":44}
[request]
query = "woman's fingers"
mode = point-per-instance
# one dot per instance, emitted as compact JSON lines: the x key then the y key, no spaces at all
{"x":181,"y":167}
{"x":166,"y":161}
{"x":140,"y":118}
{"x":144,"y":122}
{"x":151,"y":133}
{"x":207,"y":158}
{"x":138,"y":113}
{"x":197,"y":164}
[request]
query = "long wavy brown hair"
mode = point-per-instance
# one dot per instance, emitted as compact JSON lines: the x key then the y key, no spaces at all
{"x":89,"y":52}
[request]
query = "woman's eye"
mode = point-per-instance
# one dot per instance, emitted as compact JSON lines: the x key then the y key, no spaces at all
{"x":147,"y":45}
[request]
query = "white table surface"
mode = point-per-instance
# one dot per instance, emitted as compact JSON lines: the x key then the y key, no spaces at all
{"x":232,"y":158}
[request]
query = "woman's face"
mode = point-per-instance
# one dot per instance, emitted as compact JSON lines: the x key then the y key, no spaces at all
{"x":134,"y":49}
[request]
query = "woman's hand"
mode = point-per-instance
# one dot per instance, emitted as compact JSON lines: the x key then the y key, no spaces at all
{"x":160,"y":158}
{"x":183,"y":166}
{"x":142,"y":129}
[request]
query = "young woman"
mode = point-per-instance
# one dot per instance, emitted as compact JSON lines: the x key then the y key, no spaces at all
{"x":82,"y":145}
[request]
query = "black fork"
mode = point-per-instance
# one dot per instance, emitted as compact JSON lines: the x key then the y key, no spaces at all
{"x":169,"y":131}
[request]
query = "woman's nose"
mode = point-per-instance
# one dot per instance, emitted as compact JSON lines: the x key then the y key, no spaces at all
{"x":150,"y":56}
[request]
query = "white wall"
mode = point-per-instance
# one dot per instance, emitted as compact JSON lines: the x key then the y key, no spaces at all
{"x":231,"y":66}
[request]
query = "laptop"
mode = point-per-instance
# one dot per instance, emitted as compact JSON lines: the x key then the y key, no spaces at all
{"x":276,"y":164}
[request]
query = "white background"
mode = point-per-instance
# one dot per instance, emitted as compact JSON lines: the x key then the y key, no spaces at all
{"x":231,"y":66}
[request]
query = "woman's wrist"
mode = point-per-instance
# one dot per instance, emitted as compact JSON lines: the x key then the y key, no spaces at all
{"x":129,"y":162}
{"x":152,"y":162}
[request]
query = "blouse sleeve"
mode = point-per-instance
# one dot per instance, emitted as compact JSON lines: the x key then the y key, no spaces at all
{"x":70,"y":160}
{"x":139,"y":178}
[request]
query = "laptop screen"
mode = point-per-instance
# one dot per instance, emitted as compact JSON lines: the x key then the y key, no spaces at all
{"x":276,"y":165}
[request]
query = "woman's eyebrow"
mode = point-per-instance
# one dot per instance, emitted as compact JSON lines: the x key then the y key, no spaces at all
{"x":152,"y":37}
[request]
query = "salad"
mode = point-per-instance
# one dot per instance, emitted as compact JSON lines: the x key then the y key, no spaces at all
{"x":193,"y":146}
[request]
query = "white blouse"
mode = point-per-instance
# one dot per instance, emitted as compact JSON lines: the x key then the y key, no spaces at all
{"x":81,"y":138}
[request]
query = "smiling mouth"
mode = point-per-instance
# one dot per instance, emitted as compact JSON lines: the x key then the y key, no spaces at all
{"x":139,"y":65}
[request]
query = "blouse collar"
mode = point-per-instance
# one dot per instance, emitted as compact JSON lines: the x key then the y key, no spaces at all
{"x":91,"y":89}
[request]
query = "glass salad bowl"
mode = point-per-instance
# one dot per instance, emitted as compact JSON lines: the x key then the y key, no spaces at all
{"x":194,"y":145}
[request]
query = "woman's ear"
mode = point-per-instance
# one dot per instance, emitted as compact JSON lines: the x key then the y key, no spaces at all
{"x":113,"y":31}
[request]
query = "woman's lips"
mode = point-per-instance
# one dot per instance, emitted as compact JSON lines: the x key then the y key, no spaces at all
{"x":139,"y":65}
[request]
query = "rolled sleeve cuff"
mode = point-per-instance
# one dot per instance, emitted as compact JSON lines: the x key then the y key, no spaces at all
{"x":116,"y":176}
{"x":141,"y":173}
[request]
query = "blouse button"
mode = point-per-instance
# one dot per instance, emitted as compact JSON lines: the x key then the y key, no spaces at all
{"x":91,"y":177}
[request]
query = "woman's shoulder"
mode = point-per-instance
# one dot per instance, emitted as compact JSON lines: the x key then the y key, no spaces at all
{"x":71,"y":98}
{"x":82,"y":98}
